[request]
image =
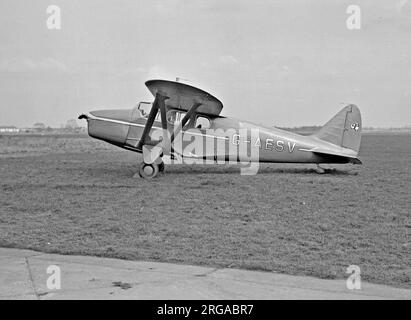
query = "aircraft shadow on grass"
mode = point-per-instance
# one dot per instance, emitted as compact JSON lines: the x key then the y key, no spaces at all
{"x":266,"y":170}
{"x":192,"y":170}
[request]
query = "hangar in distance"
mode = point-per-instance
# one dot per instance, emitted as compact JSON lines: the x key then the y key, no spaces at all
{"x":184,"y":123}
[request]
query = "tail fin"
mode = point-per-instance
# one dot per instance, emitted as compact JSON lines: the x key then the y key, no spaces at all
{"x":344,"y":129}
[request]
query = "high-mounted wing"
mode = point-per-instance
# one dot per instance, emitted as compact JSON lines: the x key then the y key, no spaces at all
{"x":183,"y":96}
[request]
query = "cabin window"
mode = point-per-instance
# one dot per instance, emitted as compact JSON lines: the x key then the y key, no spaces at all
{"x":145,"y":108}
{"x":202,"y":123}
{"x":174,"y":117}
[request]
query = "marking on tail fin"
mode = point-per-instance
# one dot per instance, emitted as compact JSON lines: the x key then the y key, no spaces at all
{"x":355,"y":126}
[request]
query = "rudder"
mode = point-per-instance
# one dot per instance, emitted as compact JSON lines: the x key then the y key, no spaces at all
{"x":344,"y":129}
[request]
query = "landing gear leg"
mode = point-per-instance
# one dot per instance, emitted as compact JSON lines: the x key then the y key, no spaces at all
{"x":161,"y":166}
{"x":319,"y":169}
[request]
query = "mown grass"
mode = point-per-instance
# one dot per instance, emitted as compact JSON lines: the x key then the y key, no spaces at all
{"x":75,"y":195}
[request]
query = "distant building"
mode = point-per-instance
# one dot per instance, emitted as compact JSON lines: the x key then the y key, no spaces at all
{"x":39,"y":127}
{"x":9,"y":129}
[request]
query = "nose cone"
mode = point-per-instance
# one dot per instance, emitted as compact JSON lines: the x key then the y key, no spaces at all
{"x":109,"y":125}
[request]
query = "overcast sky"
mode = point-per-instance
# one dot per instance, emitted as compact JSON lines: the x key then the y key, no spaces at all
{"x":284,"y":63}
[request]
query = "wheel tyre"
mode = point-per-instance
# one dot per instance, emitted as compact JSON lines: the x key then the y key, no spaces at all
{"x":148,"y":170}
{"x":161,"y":167}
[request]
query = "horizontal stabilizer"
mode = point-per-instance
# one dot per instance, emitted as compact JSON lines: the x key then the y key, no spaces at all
{"x":350,"y":158}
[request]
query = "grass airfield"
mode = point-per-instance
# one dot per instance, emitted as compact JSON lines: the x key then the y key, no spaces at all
{"x":75,"y":195}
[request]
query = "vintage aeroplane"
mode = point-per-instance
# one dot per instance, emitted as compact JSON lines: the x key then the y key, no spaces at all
{"x":184,"y":122}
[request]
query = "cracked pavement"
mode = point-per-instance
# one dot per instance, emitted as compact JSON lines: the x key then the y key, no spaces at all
{"x":23,"y":275}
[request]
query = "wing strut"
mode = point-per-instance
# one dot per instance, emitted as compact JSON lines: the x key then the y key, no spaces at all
{"x":185,"y":119}
{"x":168,"y":144}
{"x":157,"y":104}
{"x":152,"y":154}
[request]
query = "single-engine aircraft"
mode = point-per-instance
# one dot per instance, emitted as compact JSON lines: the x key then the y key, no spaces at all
{"x":185,"y":112}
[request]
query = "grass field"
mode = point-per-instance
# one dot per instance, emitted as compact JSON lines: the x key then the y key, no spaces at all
{"x":76,"y":195}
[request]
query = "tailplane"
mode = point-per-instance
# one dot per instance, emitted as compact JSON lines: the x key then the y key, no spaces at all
{"x":344,"y":129}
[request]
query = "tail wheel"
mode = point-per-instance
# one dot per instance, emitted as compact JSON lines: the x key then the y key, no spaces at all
{"x":161,"y":166}
{"x":148,"y":170}
{"x":319,"y":169}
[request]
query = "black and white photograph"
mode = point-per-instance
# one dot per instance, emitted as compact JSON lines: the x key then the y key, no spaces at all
{"x":207,"y":154}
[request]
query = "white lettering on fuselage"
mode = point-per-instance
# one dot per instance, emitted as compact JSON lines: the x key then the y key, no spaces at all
{"x":268,"y":144}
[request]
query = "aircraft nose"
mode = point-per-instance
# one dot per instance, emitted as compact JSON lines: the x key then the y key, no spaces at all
{"x":109,"y":125}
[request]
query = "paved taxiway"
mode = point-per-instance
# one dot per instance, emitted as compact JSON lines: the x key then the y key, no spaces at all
{"x":23,"y":275}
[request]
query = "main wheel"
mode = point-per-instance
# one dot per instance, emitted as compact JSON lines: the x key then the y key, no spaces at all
{"x":161,"y":167}
{"x":148,"y":170}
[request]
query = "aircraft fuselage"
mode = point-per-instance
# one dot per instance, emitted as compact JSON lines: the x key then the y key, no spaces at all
{"x":223,"y":139}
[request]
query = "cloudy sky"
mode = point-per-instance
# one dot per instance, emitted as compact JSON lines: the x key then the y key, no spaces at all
{"x":284,"y":63}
